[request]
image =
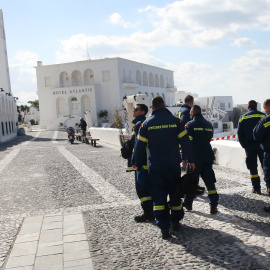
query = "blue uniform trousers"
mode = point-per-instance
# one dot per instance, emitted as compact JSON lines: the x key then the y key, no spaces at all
{"x":253,"y":151}
{"x":266,"y":170}
{"x":205,"y":170}
{"x":143,"y":187}
{"x":163,"y":182}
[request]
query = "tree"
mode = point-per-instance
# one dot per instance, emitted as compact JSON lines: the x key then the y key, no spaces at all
{"x":119,"y":118}
{"x":20,"y":109}
{"x":34,"y":104}
{"x":103,"y":114}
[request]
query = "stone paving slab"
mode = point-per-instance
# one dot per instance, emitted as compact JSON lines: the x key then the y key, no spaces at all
{"x":49,"y":249}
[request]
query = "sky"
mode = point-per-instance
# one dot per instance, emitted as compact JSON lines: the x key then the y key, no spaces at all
{"x":214,"y":47}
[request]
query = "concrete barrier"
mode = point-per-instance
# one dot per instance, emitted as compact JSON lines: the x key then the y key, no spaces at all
{"x":108,"y":135}
{"x":231,"y":155}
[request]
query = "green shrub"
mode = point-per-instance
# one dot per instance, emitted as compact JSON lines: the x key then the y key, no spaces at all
{"x":32,"y":121}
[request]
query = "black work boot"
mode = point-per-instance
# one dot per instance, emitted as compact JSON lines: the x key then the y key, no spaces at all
{"x":199,"y":191}
{"x":266,"y":208}
{"x":175,"y":225}
{"x":187,"y":206}
{"x":165,"y":234}
{"x":148,"y":214}
{"x":256,"y":191}
{"x":213,"y":210}
{"x":200,"y":188}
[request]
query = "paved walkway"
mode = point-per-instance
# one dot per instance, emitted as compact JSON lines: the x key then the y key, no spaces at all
{"x":66,"y":206}
{"x":56,"y":242}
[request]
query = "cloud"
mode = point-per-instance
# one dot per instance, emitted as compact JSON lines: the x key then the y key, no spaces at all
{"x":22,"y":69}
{"x":27,"y":58}
{"x":75,"y":48}
{"x":115,"y":18}
{"x":243,"y":42}
{"x":255,"y":61}
{"x":205,"y":23}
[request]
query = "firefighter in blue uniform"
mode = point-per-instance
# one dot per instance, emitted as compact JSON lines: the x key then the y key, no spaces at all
{"x":184,"y":112}
{"x":141,"y":176}
{"x":161,"y":134}
{"x":184,"y":115}
{"x":245,"y":135}
{"x":200,"y":132}
{"x":261,"y":134}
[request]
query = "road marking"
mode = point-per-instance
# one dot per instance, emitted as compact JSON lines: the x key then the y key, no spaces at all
{"x":8,"y":158}
{"x":55,"y":137}
{"x":105,"y":189}
{"x":34,"y":138}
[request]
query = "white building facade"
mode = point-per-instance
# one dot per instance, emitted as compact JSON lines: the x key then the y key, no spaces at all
{"x":8,"y":107}
{"x":82,"y":89}
{"x":33,"y":114}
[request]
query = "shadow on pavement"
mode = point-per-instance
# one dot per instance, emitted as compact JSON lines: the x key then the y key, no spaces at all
{"x":218,"y":248}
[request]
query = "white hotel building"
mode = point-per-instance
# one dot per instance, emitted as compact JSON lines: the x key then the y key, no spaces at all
{"x":8,"y":107}
{"x":82,"y":89}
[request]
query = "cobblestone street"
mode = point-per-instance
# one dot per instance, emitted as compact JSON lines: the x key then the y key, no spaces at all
{"x":82,"y":204}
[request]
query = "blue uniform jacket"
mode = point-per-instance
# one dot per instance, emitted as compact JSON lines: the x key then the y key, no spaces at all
{"x":246,"y":124}
{"x":200,"y":132}
{"x":184,"y":113}
{"x":261,"y":133}
{"x":162,"y":133}
{"x":137,"y":124}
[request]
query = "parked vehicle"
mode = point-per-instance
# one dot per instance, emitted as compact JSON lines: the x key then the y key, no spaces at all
{"x":71,"y":134}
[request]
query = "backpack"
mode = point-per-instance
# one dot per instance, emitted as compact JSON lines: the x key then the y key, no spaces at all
{"x":188,"y":184}
{"x":126,"y":150}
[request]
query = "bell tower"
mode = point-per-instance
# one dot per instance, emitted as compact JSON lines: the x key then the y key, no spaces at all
{"x":4,"y":70}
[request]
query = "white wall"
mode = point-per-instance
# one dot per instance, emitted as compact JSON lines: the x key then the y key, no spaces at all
{"x":108,"y":135}
{"x":231,"y":155}
{"x":108,"y":95}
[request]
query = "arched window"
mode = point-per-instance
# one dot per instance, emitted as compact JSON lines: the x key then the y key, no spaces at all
{"x":145,"y":79}
{"x":76,"y":78}
{"x":138,"y":77}
{"x":86,"y":105}
{"x":64,"y":79}
{"x":61,"y":107}
{"x":139,"y":92}
{"x":161,"y":81}
{"x":157,"y":94}
{"x":74,"y":106}
{"x":130,"y":77}
{"x":151,"y":79}
{"x":124,"y":76}
{"x":156,"y":81}
{"x":153,"y":95}
{"x":146,"y":94}
{"x":88,"y":77}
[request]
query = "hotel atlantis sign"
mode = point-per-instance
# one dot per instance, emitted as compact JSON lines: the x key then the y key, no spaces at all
{"x":72,"y":91}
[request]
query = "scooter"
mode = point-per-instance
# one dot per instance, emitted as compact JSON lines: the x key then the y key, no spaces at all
{"x":71,"y":134}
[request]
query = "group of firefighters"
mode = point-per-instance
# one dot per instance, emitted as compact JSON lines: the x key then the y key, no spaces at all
{"x":156,"y":159}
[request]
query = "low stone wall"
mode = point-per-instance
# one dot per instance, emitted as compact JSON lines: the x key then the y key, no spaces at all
{"x":108,"y":135}
{"x":230,"y":154}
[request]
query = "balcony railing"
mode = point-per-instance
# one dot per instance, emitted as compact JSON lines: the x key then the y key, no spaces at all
{"x":130,"y":86}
